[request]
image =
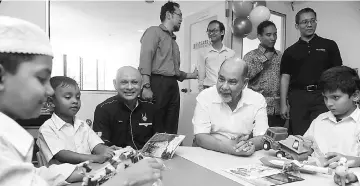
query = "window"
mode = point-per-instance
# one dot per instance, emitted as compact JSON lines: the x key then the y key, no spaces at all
{"x":279,"y":20}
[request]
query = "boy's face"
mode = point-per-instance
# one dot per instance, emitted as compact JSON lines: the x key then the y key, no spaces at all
{"x":24,"y":93}
{"x":67,"y":100}
{"x":339,"y":103}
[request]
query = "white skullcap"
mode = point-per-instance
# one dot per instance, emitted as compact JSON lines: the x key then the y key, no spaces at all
{"x":19,"y":36}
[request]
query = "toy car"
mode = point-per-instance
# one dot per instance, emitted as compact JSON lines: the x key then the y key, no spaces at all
{"x":292,"y":147}
{"x":272,"y":136}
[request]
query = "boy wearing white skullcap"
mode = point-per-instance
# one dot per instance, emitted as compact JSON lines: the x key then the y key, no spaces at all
{"x":25,"y":70}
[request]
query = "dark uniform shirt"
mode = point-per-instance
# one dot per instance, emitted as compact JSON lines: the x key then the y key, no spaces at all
{"x":305,"y":61}
{"x":120,"y":126}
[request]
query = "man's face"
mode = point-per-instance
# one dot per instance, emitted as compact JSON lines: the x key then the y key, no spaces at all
{"x":307,"y":24}
{"x":176,"y":19}
{"x":339,"y":103}
{"x":214,"y":32}
{"x":128,"y":84}
{"x":269,"y":37}
{"x":24,"y":93}
{"x":67,"y":100}
{"x":230,"y":83}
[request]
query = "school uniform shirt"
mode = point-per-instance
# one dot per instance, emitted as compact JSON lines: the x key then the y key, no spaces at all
{"x":209,"y":62}
{"x":118,"y":125}
{"x":331,"y":136}
{"x":56,"y":135}
{"x":212,"y":115}
{"x":16,"y":146}
{"x":264,"y":76}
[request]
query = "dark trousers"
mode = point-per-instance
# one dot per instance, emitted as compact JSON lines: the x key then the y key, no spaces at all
{"x":304,"y":108}
{"x":167,"y":99}
{"x":275,"y":121}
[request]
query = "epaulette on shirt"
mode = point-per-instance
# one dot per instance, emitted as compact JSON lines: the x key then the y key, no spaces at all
{"x":109,"y":102}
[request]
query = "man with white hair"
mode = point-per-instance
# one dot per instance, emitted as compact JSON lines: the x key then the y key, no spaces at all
{"x":230,"y":117}
{"x":124,"y":120}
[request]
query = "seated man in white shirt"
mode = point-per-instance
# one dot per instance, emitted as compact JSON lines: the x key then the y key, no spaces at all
{"x":229,"y":117}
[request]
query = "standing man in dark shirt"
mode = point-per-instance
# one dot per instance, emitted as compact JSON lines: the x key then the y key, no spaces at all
{"x":301,"y":67}
{"x":124,"y":120}
{"x":160,"y":66}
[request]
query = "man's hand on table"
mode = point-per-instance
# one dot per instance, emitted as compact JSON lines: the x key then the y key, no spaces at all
{"x":244,"y":146}
{"x":343,"y":180}
{"x":147,"y":170}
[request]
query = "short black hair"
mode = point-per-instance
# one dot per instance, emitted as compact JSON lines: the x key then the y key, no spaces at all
{"x":11,"y":61}
{"x":62,"y":81}
{"x":261,"y":27}
{"x":341,"y":78}
{"x":221,"y":26}
{"x":302,"y":11}
{"x":168,"y":7}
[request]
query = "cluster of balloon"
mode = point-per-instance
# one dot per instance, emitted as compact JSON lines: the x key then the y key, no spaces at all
{"x":249,"y":14}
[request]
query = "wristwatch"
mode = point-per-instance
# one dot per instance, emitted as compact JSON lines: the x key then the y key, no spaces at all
{"x":146,"y":85}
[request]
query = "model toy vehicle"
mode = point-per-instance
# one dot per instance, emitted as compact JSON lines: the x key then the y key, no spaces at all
{"x":292,"y":147}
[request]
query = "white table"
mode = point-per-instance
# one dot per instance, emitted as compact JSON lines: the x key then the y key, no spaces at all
{"x":217,"y":162}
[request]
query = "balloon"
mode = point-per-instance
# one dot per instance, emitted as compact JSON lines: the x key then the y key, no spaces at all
{"x":241,"y":27}
{"x":242,"y":8}
{"x":259,"y":3}
{"x":259,"y":14}
{"x":253,"y":34}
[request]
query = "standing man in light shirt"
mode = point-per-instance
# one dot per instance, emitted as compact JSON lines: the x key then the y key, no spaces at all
{"x":264,"y":71}
{"x":210,"y":58}
{"x":160,"y":66}
{"x":230,"y":117}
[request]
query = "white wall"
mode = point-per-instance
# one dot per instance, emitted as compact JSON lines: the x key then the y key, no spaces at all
{"x":33,"y":11}
{"x":339,"y":21}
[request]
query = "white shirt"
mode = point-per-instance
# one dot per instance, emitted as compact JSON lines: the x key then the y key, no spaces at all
{"x":16,"y":147}
{"x":209,"y":62}
{"x":212,"y":115}
{"x":56,"y":135}
{"x":332,"y":136}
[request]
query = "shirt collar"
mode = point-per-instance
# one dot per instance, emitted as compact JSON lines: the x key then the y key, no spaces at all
{"x":223,"y":48}
{"x":263,"y":49}
{"x":59,"y":123}
{"x":122,"y":102}
{"x":162,"y":26}
{"x":355,"y":116}
{"x":12,"y":132}
{"x":311,"y":40}
{"x":245,"y":98}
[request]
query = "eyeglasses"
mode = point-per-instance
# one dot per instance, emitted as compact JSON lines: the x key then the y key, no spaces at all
{"x":214,"y":31}
{"x":179,"y":14}
{"x":306,"y":22}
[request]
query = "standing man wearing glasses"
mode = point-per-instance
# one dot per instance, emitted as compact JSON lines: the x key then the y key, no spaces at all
{"x":160,"y":66}
{"x":211,"y":58}
{"x":300,"y":69}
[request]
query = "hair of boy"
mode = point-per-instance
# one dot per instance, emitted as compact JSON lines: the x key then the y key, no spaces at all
{"x":62,"y":81}
{"x":341,"y":78}
{"x":11,"y":61}
{"x":221,"y":27}
{"x":261,"y":27}
{"x":302,"y":11}
{"x":167,"y":7}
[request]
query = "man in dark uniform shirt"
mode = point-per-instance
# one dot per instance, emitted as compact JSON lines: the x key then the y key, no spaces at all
{"x":124,"y":120}
{"x":301,"y":67}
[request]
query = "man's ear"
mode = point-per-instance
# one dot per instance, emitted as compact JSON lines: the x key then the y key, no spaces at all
{"x":355,"y":96}
{"x":114,"y":83}
{"x":246,"y":81}
{"x":297,"y":26}
{"x":2,"y":77}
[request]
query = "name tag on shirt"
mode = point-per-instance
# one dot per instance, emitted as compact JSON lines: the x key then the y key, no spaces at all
{"x":321,"y":49}
{"x":145,"y":124}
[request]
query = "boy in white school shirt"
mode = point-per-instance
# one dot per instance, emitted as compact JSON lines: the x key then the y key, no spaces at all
{"x":64,"y":138}
{"x":337,"y":132}
{"x":25,"y":68}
